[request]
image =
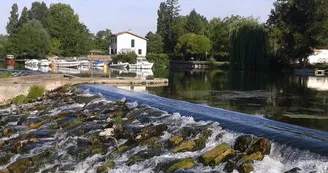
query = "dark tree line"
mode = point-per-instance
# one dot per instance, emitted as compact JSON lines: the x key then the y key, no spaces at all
{"x":54,"y":30}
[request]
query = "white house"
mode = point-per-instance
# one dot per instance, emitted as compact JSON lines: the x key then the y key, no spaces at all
{"x":319,"y":56}
{"x":124,"y":42}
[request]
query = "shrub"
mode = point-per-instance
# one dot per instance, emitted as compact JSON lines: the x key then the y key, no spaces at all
{"x":125,"y":57}
{"x":159,"y":60}
{"x":118,"y":120}
{"x":35,"y":92}
{"x":5,"y":75}
{"x":19,"y":99}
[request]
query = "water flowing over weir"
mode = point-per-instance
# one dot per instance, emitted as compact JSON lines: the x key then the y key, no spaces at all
{"x":288,"y":135}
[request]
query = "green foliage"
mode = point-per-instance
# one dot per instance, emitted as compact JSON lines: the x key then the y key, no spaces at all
{"x":167,"y":14}
{"x":194,"y":45}
{"x":102,"y":40}
{"x":5,"y":75}
{"x":219,"y":35}
{"x":3,"y":45}
{"x":297,"y":27}
{"x":159,"y":60}
{"x":32,"y":40}
{"x":155,"y":43}
{"x":13,"y":20}
{"x":118,"y":120}
{"x":19,"y":99}
{"x":125,"y":57}
{"x":24,"y":18}
{"x":248,"y":42}
{"x":63,"y":24}
{"x":39,"y":11}
{"x":196,"y":23}
{"x":35,"y":92}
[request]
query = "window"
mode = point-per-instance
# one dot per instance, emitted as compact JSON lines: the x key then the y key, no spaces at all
{"x":132,"y":43}
{"x":139,"y":51}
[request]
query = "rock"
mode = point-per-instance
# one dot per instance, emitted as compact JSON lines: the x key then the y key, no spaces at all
{"x":262,"y":145}
{"x":294,"y":170}
{"x":8,"y":132}
{"x":150,"y":142}
{"x":185,"y":146}
{"x":105,"y":167}
{"x":176,"y":140}
{"x":255,"y":156}
{"x":35,"y":125}
{"x":222,"y":157}
{"x":144,"y":155}
{"x":182,"y":164}
{"x":6,"y":158}
{"x":243,"y":142}
{"x":210,"y":155}
{"x":20,"y":166}
{"x":107,"y":132}
{"x":246,"y":167}
{"x":201,"y":141}
{"x":151,"y":131}
{"x":230,"y":166}
{"x":188,"y":132}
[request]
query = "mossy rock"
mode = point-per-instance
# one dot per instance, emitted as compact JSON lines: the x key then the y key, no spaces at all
{"x":134,"y":159}
{"x":98,"y":151}
{"x":243,"y":142}
{"x":123,"y":148}
{"x":262,"y":145}
{"x":255,"y":156}
{"x":105,"y":167}
{"x":6,"y":158}
{"x":144,"y":155}
{"x":185,"y":146}
{"x":150,"y":142}
{"x":181,"y":164}
{"x":35,"y":125}
{"x":8,"y":131}
{"x":246,"y":167}
{"x":210,"y":155}
{"x":222,"y":157}
{"x":176,"y":140}
{"x":4,"y":171}
{"x":20,"y":166}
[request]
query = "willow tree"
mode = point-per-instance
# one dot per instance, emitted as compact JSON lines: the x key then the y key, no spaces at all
{"x":248,"y":44}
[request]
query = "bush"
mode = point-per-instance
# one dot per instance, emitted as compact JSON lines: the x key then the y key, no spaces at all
{"x":5,"y":75}
{"x":19,"y":99}
{"x":159,"y":60}
{"x":35,"y":92}
{"x":125,"y":57}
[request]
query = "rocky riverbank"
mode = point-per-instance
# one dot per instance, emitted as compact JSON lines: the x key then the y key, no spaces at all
{"x":70,"y":130}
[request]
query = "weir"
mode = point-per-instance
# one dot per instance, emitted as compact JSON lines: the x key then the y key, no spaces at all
{"x":291,"y":135}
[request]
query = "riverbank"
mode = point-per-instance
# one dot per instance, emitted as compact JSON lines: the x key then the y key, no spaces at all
{"x":73,"y":130}
{"x":14,"y":86}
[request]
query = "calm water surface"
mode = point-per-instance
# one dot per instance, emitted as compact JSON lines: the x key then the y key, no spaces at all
{"x":298,"y":100}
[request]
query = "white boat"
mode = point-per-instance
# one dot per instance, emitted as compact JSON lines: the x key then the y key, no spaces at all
{"x":142,"y":63}
{"x":119,"y":65}
{"x":99,"y":63}
{"x":44,"y":62}
{"x":84,"y":63}
{"x":32,"y":62}
{"x":64,"y":63}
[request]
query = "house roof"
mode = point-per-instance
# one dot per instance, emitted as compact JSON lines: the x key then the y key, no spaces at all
{"x":128,"y":32}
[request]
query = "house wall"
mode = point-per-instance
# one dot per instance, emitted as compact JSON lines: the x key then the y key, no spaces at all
{"x":320,"y":56}
{"x":124,"y":42}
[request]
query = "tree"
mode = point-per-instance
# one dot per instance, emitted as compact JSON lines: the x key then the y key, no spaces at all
{"x":3,"y":45}
{"x":193,"y":45}
{"x":196,"y":23}
{"x":39,"y":11}
{"x":24,"y":18}
{"x":293,"y":26}
{"x":13,"y":20}
{"x":63,"y":25}
{"x":32,"y":40}
{"x":103,"y":39}
{"x":219,"y":35}
{"x":167,"y":14}
{"x":248,"y":45}
{"x":155,"y":43}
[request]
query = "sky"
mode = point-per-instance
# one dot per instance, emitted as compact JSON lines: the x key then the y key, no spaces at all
{"x":140,"y":16}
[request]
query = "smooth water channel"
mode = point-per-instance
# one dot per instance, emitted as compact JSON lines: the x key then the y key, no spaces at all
{"x":298,"y":100}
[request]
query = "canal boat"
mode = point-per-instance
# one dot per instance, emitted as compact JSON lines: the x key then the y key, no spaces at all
{"x":99,"y":63}
{"x":119,"y":65}
{"x":65,"y":63}
{"x":32,"y":62}
{"x":142,"y":63}
{"x":84,"y":63}
{"x":44,"y":63}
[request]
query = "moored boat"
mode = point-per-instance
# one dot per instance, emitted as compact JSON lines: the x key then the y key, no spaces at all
{"x":141,"y":63}
{"x":119,"y":65}
{"x":99,"y":63}
{"x":44,"y":62}
{"x":65,"y":63}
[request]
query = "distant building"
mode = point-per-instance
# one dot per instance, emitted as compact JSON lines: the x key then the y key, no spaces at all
{"x":125,"y":42}
{"x":320,"y":56}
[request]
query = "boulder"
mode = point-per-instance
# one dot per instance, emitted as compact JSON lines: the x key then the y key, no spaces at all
{"x":261,"y":145}
{"x":144,"y":155}
{"x":5,"y":159}
{"x":176,"y":140}
{"x":246,"y":167}
{"x":255,"y":156}
{"x":210,"y":155}
{"x":35,"y":125}
{"x":185,"y":146}
{"x":20,"y":166}
{"x":8,"y":132}
{"x":222,"y":157}
{"x":151,"y":131}
{"x":243,"y":142}
{"x":105,"y":167}
{"x":181,"y":164}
